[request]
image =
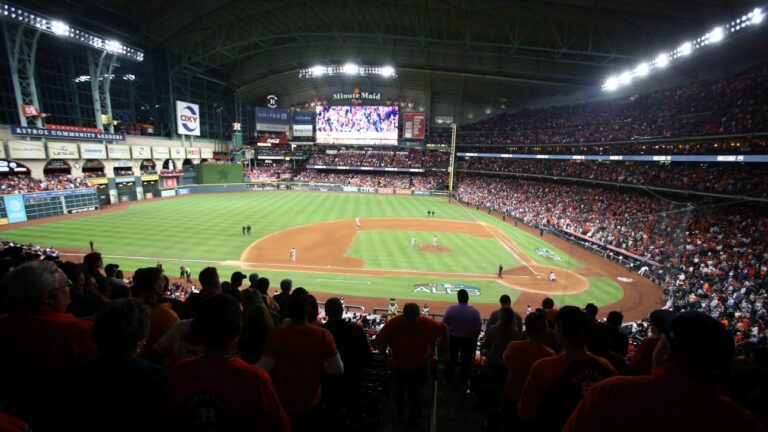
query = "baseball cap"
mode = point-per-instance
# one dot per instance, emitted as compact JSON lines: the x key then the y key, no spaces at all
{"x":700,"y":342}
{"x":111,"y":267}
{"x":238,"y":276}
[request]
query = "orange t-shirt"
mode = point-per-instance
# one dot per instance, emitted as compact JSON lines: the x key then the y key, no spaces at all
{"x":544,"y":374}
{"x":221,"y":394}
{"x":659,"y":403}
{"x":411,"y":344}
{"x":518,"y":358}
{"x":161,"y":319}
{"x":299,"y":352}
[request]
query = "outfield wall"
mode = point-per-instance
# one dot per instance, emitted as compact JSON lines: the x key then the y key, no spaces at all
{"x":281,"y":185}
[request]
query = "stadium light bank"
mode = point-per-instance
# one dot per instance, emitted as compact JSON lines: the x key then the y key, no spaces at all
{"x":348,"y":69}
{"x":61,"y":29}
{"x":716,"y":35}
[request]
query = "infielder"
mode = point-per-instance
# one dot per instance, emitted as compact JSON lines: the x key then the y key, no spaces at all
{"x":501,"y":271}
{"x":434,"y":240}
{"x":293,"y":254}
{"x":552,"y":276}
{"x":357,"y":222}
{"x":413,"y":241}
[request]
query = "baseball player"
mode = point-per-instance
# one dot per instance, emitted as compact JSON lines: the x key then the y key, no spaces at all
{"x":413,"y":241}
{"x":357,"y":222}
{"x":434,"y":240}
{"x":552,"y":276}
{"x":501,"y":270}
{"x":293,"y":254}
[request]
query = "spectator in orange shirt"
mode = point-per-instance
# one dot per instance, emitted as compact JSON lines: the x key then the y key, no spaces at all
{"x":691,"y":362}
{"x":410,"y":338}
{"x":41,"y":345}
{"x":296,"y":354}
{"x":519,"y":357}
{"x":219,"y":391}
{"x":556,"y":384}
{"x":642,"y":360}
{"x":148,"y":283}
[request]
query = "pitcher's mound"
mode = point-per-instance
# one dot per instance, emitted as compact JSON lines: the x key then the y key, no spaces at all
{"x":439,"y":249}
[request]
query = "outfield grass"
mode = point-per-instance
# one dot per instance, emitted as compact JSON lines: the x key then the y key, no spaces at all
{"x":469,"y":254}
{"x":203,"y":230}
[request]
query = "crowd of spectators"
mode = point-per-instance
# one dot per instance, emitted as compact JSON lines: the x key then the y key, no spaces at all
{"x":723,"y":178}
{"x":732,"y":105}
{"x":712,"y":257}
{"x":15,"y":184}
{"x":426,"y":181}
{"x":692,"y":147}
{"x":412,"y":158}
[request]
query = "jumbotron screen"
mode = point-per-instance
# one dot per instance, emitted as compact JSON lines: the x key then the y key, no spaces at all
{"x":356,"y":124}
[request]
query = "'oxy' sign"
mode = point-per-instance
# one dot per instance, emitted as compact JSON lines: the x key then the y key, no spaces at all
{"x":187,"y":118}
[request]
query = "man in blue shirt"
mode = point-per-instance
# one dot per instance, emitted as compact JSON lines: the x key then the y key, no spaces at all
{"x":464,"y":326}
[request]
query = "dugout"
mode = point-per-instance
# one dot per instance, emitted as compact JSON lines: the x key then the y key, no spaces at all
{"x":57,"y":167}
{"x":93,"y":168}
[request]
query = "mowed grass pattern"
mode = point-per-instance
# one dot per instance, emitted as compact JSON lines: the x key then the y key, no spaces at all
{"x":387,"y":249}
{"x":208,"y":227}
{"x":202,"y":230}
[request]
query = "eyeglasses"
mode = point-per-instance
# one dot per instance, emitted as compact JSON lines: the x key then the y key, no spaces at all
{"x":67,"y":285}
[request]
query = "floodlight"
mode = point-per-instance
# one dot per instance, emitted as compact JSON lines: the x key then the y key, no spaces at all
{"x":661,"y":61}
{"x":625,"y":78}
{"x":388,"y":71}
{"x":59,"y":28}
{"x":113,"y":46}
{"x":642,"y":69}
{"x":317,"y":70}
{"x":350,"y":69}
{"x":685,"y":49}
{"x":757,"y":16}
{"x":611,"y":84}
{"x":716,"y":35}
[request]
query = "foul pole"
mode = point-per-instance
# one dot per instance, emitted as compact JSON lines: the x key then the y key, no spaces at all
{"x":453,"y":156}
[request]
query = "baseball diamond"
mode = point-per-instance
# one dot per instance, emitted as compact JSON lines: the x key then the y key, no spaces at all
{"x":327,"y":242}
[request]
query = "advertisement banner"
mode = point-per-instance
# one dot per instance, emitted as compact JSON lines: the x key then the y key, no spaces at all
{"x":177,"y":153}
{"x":303,"y":118}
{"x":64,"y":134}
{"x":302,"y":130}
{"x":350,"y":189}
{"x":414,"y":125}
{"x":187,"y":118}
{"x":26,"y":150}
{"x":117,"y":151}
{"x":141,"y":152}
{"x":30,"y":110}
{"x":60,"y":150}
{"x":193,"y":153}
{"x":161,"y":153}
{"x":93,"y":151}
{"x":2,"y":151}
{"x":14,"y":206}
{"x":271,"y":120}
{"x":206,"y":153}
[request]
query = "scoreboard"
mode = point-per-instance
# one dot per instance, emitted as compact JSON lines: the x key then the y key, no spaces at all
{"x":23,"y":207}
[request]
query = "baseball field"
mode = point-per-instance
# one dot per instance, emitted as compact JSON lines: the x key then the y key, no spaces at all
{"x":366,"y":264}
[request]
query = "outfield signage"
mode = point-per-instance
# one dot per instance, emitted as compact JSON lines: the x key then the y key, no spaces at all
{"x":141,"y":152}
{"x":444,"y":288}
{"x":14,"y":206}
{"x":59,"y":150}
{"x":302,"y":130}
{"x":271,"y":120}
{"x":26,"y":150}
{"x":65,"y":134}
{"x":93,"y":151}
{"x":115,"y":151}
{"x":177,"y":153}
{"x":206,"y":153}
{"x":161,"y":153}
{"x":303,"y":117}
{"x":187,"y":118}
{"x":649,"y":158}
{"x":414,"y":125}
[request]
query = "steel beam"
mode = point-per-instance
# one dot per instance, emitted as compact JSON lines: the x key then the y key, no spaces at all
{"x":21,"y":46}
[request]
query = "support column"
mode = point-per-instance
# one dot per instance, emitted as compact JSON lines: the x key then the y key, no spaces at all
{"x":101,"y":76}
{"x":21,"y":45}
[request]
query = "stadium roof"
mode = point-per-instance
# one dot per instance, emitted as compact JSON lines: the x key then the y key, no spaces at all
{"x":471,"y":48}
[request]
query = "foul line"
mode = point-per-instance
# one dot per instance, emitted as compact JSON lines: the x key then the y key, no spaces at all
{"x":503,"y":243}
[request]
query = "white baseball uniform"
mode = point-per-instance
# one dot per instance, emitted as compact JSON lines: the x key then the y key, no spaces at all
{"x":434,"y":241}
{"x":293,"y":254}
